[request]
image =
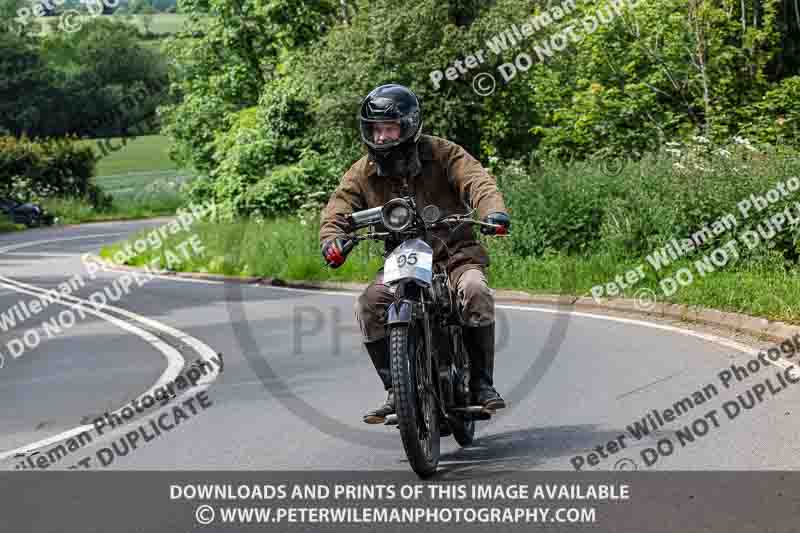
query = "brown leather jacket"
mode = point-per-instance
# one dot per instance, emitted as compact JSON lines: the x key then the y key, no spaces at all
{"x":447,"y":171}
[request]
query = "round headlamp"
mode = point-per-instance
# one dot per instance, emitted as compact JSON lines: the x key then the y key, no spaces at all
{"x":396,"y":215}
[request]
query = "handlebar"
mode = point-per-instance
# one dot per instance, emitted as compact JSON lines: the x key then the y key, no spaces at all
{"x":354,"y":238}
{"x":348,"y":246}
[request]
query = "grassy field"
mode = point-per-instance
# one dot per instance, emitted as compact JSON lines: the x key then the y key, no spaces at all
{"x":147,"y":153}
{"x":140,"y":172}
{"x":141,"y":178}
{"x":162,"y":23}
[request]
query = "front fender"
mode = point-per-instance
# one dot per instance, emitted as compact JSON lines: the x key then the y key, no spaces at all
{"x":399,"y":313}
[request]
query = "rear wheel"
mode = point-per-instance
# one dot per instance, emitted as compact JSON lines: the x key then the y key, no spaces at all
{"x":417,"y":412}
{"x":463,"y":426}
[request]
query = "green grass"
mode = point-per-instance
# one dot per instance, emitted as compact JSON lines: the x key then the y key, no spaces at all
{"x":141,"y":154}
{"x":141,"y":178}
{"x":162,"y":23}
{"x":7,"y":226}
{"x":71,"y":211}
{"x":289,"y":250}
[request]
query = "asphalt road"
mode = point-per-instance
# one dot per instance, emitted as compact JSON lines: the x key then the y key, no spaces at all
{"x":296,"y":381}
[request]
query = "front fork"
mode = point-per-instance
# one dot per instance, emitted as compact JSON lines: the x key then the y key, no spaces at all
{"x":410,"y":306}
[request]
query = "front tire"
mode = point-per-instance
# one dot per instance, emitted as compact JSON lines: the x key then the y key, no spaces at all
{"x":414,"y":403}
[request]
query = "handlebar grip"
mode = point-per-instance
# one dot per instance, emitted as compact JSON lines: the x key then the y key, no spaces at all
{"x":349,"y":245}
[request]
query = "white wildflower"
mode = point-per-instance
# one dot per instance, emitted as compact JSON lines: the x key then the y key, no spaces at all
{"x":700,"y":139}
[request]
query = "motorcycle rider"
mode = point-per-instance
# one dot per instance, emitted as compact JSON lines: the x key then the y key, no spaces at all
{"x":439,"y":172}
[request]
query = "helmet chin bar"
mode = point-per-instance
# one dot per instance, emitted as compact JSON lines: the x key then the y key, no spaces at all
{"x":401,"y":161}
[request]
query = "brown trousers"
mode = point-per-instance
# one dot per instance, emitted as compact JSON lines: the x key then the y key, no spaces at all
{"x":475,"y":298}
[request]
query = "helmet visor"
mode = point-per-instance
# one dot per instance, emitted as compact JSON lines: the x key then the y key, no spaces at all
{"x":382,"y":134}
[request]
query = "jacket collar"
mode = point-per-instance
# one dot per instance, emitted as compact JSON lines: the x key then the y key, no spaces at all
{"x":425,"y":154}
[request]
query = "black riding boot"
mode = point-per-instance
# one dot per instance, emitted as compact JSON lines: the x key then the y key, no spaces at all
{"x":480,"y":346}
{"x":379,"y":353}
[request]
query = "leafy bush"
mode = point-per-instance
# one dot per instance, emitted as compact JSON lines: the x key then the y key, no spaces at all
{"x":588,"y":208}
{"x":31,"y":171}
{"x":291,"y":187}
{"x":776,"y":117}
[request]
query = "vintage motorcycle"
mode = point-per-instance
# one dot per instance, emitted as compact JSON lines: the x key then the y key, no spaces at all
{"x":429,"y":363}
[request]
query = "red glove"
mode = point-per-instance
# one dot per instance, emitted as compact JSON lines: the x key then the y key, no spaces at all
{"x":334,"y":252}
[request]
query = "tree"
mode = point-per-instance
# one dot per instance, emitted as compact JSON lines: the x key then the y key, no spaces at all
{"x":223,"y":64}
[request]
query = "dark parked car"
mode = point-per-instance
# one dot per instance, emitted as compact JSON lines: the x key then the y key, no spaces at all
{"x":29,"y":214}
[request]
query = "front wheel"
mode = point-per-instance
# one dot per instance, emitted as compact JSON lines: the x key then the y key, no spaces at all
{"x":415,"y":404}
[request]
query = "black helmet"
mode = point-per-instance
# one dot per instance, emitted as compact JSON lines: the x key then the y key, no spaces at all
{"x":390,"y":104}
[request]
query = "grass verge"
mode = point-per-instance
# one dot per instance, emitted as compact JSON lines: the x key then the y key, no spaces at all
{"x":71,"y":211}
{"x":288,"y":249}
{"x":8,"y":226}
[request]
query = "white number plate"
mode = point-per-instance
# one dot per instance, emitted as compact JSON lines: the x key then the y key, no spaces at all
{"x":408,"y":265}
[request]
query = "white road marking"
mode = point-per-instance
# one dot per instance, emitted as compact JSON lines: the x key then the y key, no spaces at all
{"x":205,"y":350}
{"x":40,"y":254}
{"x":174,"y":364}
{"x":18,"y":246}
{"x":175,"y":361}
{"x":170,"y":278}
{"x":781,"y":363}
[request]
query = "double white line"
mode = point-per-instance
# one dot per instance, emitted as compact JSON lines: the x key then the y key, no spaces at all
{"x":127,"y":321}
